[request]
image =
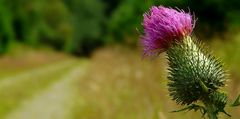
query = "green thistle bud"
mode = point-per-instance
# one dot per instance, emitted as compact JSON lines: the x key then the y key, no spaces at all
{"x":193,"y":73}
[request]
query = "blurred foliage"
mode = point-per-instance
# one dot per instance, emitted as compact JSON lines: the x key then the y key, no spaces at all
{"x":87,"y":17}
{"x":6,"y":30}
{"x":70,"y":25}
{"x":79,"y":26}
{"x":125,"y":20}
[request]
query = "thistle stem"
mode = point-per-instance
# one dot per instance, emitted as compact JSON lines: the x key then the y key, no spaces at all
{"x":211,"y":110}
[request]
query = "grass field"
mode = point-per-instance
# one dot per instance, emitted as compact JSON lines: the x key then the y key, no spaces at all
{"x":115,"y":83}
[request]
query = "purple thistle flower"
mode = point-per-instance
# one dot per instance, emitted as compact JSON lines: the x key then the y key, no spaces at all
{"x":162,"y":26}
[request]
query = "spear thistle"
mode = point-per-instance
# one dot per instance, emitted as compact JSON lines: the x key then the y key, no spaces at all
{"x":194,"y":74}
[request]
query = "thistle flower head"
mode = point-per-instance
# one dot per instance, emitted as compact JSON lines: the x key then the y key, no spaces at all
{"x":194,"y":74}
{"x":162,"y":26}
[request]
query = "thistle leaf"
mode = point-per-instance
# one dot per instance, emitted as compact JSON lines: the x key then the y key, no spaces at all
{"x":236,"y":102}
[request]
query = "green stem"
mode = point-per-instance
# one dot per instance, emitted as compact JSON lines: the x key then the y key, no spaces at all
{"x":211,"y":110}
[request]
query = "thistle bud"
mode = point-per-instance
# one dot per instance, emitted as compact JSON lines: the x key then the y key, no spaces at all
{"x":193,"y":73}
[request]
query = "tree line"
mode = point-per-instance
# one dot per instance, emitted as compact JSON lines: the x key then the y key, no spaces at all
{"x":79,"y":26}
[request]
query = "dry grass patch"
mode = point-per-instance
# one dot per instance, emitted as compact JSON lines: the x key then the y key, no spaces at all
{"x":121,"y":85}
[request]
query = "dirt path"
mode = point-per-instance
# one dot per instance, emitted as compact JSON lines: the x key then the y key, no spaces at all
{"x":54,"y":102}
{"x":6,"y":82}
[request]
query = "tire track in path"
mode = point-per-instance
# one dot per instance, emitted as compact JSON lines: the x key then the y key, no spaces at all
{"x":54,"y":102}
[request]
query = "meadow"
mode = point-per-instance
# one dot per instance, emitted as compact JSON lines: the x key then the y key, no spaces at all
{"x":114,"y":83}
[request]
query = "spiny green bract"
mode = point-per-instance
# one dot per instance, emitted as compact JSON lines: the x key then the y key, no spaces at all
{"x":193,"y":73}
{"x":217,"y":99}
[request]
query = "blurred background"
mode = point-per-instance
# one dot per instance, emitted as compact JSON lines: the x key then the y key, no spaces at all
{"x":81,"y":59}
